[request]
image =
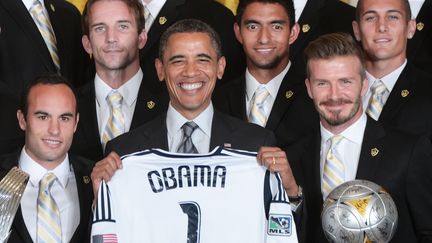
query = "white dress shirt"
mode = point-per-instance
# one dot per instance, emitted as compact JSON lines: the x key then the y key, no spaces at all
{"x":128,"y":90}
{"x":154,"y":8}
{"x":200,"y":137}
{"x":64,"y":191}
{"x":389,"y":81}
{"x":299,"y":6}
{"x":348,"y":150}
{"x":272,"y":87}
{"x":415,"y":7}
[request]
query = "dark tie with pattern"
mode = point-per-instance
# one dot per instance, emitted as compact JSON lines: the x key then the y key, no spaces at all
{"x":187,"y":145}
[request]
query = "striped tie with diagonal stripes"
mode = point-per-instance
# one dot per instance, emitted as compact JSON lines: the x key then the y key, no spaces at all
{"x":48,"y":214}
{"x":334,"y":169}
{"x":187,"y":146}
{"x":377,"y":99}
{"x":116,"y":123}
{"x":257,"y":113}
{"x":40,"y":17}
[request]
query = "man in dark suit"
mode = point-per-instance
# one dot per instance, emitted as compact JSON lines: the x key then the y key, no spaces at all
{"x":209,"y":11}
{"x":419,"y":51}
{"x":190,"y":62}
{"x":316,"y":18}
{"x":114,"y":34}
{"x":404,"y":102}
{"x":49,"y":117}
{"x":267,"y":29}
{"x":24,"y":54}
{"x":12,"y":136}
{"x":351,"y":145}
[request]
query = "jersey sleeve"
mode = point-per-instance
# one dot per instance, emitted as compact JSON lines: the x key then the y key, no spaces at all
{"x":104,"y":220}
{"x":280,"y":226}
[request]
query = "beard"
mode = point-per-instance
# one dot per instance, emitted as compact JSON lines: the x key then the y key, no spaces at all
{"x":336,"y":118}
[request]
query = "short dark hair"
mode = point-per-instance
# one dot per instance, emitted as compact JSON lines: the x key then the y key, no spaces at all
{"x":288,"y":5}
{"x":46,"y":79}
{"x":334,"y":45}
{"x":405,"y":4}
{"x":190,"y":26}
{"x":134,"y":6}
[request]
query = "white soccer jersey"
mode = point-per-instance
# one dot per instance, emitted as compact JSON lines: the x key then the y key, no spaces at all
{"x":162,"y":197}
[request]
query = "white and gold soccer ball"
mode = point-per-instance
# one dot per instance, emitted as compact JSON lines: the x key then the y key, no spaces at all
{"x":359,"y":211}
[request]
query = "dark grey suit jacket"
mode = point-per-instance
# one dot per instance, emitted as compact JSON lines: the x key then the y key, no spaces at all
{"x":82,"y":169}
{"x":225,"y":130}
{"x":403,"y":167}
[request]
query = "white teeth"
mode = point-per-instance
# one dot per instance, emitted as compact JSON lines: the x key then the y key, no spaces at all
{"x":191,"y":86}
{"x":264,"y":50}
{"x":52,"y":141}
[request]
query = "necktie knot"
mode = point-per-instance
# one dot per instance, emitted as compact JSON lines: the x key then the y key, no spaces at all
{"x":261,"y":95}
{"x":188,"y":128}
{"x":114,"y":99}
{"x":47,"y":181}
{"x":187,"y":146}
{"x":379,"y":94}
{"x":258,"y":112}
{"x":378,"y":87}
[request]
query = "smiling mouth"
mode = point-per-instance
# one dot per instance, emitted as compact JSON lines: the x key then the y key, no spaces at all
{"x":191,"y":86}
{"x":264,"y":50}
{"x":52,"y":141}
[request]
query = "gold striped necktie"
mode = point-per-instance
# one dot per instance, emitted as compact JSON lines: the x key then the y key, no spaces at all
{"x":377,"y":99}
{"x":257,"y":113}
{"x":48,"y":213}
{"x":116,"y":122}
{"x":40,"y":17}
{"x":334,"y":169}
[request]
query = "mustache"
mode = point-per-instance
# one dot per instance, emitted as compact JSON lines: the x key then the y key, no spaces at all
{"x":336,"y":102}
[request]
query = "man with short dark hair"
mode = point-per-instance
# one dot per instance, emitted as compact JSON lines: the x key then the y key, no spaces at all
{"x":56,"y":204}
{"x":351,"y":145}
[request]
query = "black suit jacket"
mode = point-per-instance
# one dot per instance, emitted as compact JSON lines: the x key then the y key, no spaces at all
{"x":82,"y":169}
{"x":86,"y":140}
{"x":24,"y":54}
{"x":292,"y":117}
{"x":320,"y":17}
{"x":12,"y":137}
{"x":409,"y":106}
{"x":402,"y":167}
{"x":419,"y":50}
{"x":213,"y":13}
{"x":225,"y":130}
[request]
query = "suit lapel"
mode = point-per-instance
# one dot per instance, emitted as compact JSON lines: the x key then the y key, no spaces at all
{"x":18,"y":11}
{"x":424,"y":27}
{"x":396,"y":100}
{"x":287,"y":92}
{"x":90,"y":125}
{"x":237,"y":99}
{"x":158,"y":135}
{"x":166,"y":17}
{"x":371,"y":151}
{"x":220,"y":131}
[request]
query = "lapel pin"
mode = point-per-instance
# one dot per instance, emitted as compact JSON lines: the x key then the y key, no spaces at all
{"x":52,"y":7}
{"x":305,"y":28}
{"x":374,"y":152}
{"x":150,"y":104}
{"x":162,"y":20}
{"x":404,"y":93}
{"x":227,"y":145}
{"x":420,"y":26}
{"x":289,"y":94}
{"x":86,"y":179}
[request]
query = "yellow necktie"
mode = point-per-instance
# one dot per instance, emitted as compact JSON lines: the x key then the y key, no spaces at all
{"x":377,"y":99}
{"x":334,"y":169}
{"x":257,"y":113}
{"x":40,"y":17}
{"x":116,"y":123}
{"x":48,"y":213}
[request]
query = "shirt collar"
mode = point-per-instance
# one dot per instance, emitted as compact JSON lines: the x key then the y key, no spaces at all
{"x":389,"y":80}
{"x":272,"y":86}
{"x":36,"y":171}
{"x":129,"y":90}
{"x":154,"y":7}
{"x":175,"y":120}
{"x":353,"y":133}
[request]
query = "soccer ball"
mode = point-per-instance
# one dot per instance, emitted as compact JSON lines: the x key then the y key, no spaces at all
{"x":359,"y":211}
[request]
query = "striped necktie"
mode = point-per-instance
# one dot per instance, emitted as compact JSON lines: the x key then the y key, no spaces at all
{"x":40,"y":17}
{"x":377,"y":100}
{"x":187,"y":146}
{"x":257,"y":113}
{"x":334,"y":169}
{"x":48,"y":214}
{"x":147,"y":18}
{"x":116,"y":123}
